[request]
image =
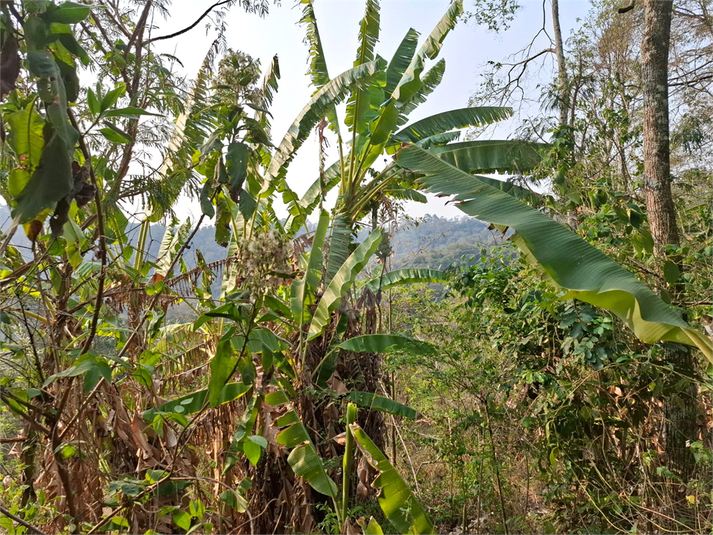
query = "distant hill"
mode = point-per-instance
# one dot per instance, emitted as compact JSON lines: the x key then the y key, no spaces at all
{"x":431,"y":241}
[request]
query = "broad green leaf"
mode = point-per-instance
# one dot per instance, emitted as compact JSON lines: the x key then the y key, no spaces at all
{"x":236,"y":163}
{"x":93,"y":102}
{"x":222,"y":365}
{"x":381,"y":343}
{"x":429,"y":82}
{"x":66,"y":13}
{"x":373,"y":528}
{"x":451,"y":120}
{"x":192,"y":403}
{"x":304,"y":459}
{"x":359,"y":105}
{"x":70,"y":43}
{"x":112,"y":96}
{"x":129,"y":111}
{"x":25,"y":134}
{"x":173,"y":238}
{"x":381,"y":403}
{"x":92,"y":365}
{"x":52,"y":181}
{"x":115,"y":134}
{"x":411,"y":80}
{"x":400,"y":61}
{"x":397,"y":501}
{"x":183,"y":520}
{"x":671,"y":272}
{"x":568,"y":260}
{"x":342,"y":282}
{"x":405,"y":276}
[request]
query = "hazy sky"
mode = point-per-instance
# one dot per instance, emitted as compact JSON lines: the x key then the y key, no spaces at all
{"x":466,"y":50}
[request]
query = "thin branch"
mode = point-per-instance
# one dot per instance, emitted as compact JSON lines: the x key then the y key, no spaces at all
{"x":20,"y":521}
{"x":189,"y":28}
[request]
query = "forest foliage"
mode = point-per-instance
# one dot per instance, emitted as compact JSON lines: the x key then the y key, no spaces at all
{"x":541,"y":366}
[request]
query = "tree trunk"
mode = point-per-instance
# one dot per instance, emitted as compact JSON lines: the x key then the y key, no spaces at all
{"x":562,"y":89}
{"x":680,"y":417}
{"x":654,"y":79}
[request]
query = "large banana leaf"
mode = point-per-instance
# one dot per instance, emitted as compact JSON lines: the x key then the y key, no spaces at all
{"x":451,"y":120}
{"x":400,"y":61}
{"x":381,"y":343}
{"x":300,"y":289}
{"x":192,"y":403}
{"x":405,"y":276}
{"x":492,"y":155}
{"x":430,"y":81}
{"x":410,"y":84}
{"x":570,"y":261}
{"x":323,"y":100}
{"x":342,"y":282}
{"x":359,"y":107}
{"x":304,"y":459}
{"x":411,"y":80}
{"x":395,"y":497}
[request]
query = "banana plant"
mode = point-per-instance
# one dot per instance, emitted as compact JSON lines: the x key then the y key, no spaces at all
{"x":379,"y":97}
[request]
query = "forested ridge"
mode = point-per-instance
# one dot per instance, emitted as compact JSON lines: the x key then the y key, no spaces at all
{"x":315,"y":359}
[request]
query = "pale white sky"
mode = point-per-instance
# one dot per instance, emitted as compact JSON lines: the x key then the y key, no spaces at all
{"x":466,"y":50}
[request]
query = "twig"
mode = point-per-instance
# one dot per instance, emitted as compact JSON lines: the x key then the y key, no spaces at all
{"x":102,"y":238}
{"x":20,"y":521}
{"x":12,"y":440}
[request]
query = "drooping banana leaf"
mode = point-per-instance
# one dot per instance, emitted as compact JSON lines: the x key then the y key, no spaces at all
{"x":490,"y":156}
{"x":439,"y":139}
{"x":332,"y":93}
{"x":395,"y":497}
{"x":381,"y":343}
{"x":304,"y":459}
{"x":568,"y":260}
{"x":405,"y":276}
{"x":451,"y":120}
{"x":381,"y":403}
{"x":342,"y":282}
